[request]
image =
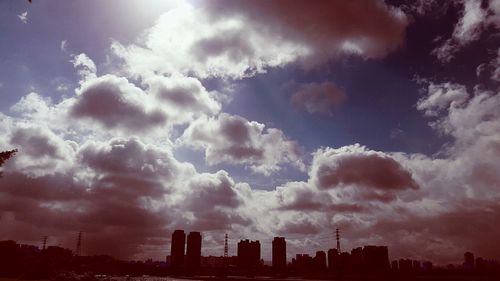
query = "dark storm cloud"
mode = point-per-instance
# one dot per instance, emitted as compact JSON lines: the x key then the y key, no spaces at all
{"x":115,"y":103}
{"x":355,"y":165}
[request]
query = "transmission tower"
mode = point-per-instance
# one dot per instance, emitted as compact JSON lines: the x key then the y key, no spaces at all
{"x":44,"y":242}
{"x":337,"y":235}
{"x":79,"y":244}
{"x":226,"y":247}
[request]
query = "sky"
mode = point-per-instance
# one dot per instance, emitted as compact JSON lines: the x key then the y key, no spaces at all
{"x":134,"y":118}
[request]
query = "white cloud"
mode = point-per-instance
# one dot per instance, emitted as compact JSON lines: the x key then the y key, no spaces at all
{"x":319,"y":98}
{"x":114,"y":102}
{"x":86,"y":66}
{"x":64,"y":45}
{"x":184,"y":98}
{"x":206,"y":41}
{"x":23,"y":17}
{"x":233,"y":139}
{"x":473,"y":21}
{"x":441,"y":97}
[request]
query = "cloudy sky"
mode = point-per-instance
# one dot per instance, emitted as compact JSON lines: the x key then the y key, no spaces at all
{"x":253,"y":118}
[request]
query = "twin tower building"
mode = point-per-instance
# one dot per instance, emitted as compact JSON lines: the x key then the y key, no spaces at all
{"x":185,"y":259}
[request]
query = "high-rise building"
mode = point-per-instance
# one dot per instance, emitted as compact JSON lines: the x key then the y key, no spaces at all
{"x":394,"y":265}
{"x":320,"y":261}
{"x":356,"y":263}
{"x":405,"y":265}
{"x":376,"y":258}
{"x":303,"y":264}
{"x":177,"y":250}
{"x":333,"y":260}
{"x":279,"y":253}
{"x":248,"y":254}
{"x":193,"y":252}
{"x":469,"y":260}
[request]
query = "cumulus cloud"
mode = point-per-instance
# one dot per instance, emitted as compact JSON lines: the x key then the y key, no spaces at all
{"x":124,"y":189}
{"x":225,"y":38}
{"x":85,"y":65}
{"x":318,"y":97}
{"x":184,"y":98}
{"x":359,"y":166}
{"x":114,"y":102}
{"x":121,"y":190}
{"x":323,"y":27}
{"x":41,"y":150}
{"x":233,"y":139}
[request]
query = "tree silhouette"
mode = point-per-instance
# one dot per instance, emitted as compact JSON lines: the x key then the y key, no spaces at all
{"x":6,"y":155}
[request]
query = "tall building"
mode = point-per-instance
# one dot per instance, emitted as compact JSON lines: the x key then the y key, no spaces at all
{"x":193,"y":252}
{"x":469,"y":260}
{"x":279,"y":253}
{"x":177,"y":250}
{"x":320,"y":261}
{"x":303,"y":264}
{"x":394,"y":265}
{"x":405,"y":265}
{"x":333,"y":260}
{"x":375,"y":259}
{"x":248,"y":254}
{"x":356,"y":263}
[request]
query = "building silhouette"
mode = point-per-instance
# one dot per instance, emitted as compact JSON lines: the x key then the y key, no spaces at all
{"x":279,"y":254}
{"x":248,"y":255}
{"x":193,"y":252}
{"x":405,"y":265}
{"x":303,"y":264}
{"x":394,"y":265}
{"x":177,"y":251}
{"x":333,"y":260}
{"x":376,"y":259}
{"x":356,"y":261}
{"x":468,"y":260}
{"x":320,"y":262}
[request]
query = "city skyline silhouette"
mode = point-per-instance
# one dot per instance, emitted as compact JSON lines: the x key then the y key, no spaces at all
{"x":186,"y":260}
